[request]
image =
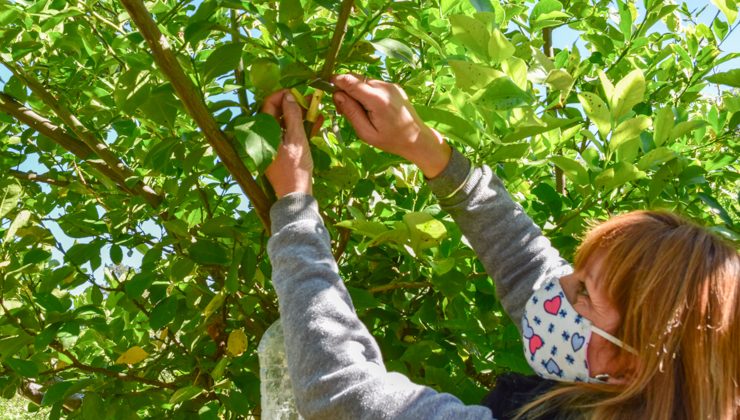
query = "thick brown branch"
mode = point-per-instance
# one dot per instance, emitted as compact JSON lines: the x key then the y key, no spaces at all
{"x":336,"y":41}
{"x":34,"y":177}
{"x":196,"y":107}
{"x":100,"y":148}
{"x":27,"y":116}
{"x":58,"y":135}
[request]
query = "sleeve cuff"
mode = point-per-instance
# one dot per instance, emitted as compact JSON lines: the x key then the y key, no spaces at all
{"x":294,"y":207}
{"x":452,"y":179}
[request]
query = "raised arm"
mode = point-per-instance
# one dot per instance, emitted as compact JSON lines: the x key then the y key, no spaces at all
{"x":335,"y":365}
{"x":508,"y":243}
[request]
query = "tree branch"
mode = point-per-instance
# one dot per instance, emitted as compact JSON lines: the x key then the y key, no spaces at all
{"x":58,"y":135}
{"x":400,"y":285}
{"x":99,"y":147}
{"x":34,"y":177}
{"x":193,"y":101}
{"x":336,"y":41}
{"x":110,"y":373}
{"x":547,"y":49}
{"x":241,"y":91}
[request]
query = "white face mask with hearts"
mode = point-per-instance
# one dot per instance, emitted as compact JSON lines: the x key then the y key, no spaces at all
{"x":556,"y":337}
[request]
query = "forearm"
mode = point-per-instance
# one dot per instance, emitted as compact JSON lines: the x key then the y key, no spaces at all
{"x":508,"y":243}
{"x":334,"y":363}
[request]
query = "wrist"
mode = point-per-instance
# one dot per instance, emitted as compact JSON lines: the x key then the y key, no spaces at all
{"x":432,"y":153}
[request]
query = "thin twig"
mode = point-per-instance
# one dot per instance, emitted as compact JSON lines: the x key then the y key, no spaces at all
{"x":400,"y":285}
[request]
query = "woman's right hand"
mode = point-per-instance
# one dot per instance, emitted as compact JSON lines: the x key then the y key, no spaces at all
{"x":383,"y":117}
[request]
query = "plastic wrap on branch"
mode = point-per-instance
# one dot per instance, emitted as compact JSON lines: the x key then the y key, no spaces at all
{"x":278,"y":402}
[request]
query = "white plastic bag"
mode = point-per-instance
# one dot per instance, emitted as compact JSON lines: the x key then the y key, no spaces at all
{"x":278,"y":402}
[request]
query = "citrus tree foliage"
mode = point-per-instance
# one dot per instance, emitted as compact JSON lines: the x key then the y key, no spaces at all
{"x":629,"y":117}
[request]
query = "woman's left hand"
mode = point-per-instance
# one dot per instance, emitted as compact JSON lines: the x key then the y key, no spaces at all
{"x":291,"y":170}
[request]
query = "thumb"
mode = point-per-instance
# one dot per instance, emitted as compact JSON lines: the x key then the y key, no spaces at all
{"x":356,"y":115}
{"x":293,"y":117}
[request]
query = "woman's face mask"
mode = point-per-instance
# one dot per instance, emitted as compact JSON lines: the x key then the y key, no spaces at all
{"x":556,"y":337}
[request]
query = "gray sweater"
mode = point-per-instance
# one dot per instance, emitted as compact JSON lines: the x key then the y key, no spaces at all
{"x":335,"y":364}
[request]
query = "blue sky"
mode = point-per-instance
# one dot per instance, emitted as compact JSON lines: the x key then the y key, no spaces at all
{"x":562,"y":38}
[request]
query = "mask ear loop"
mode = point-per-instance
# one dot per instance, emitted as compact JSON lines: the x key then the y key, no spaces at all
{"x":614,"y":340}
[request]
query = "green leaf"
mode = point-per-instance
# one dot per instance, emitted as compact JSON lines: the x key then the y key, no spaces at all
{"x":259,"y":138}
{"x":217,"y":301}
{"x":663,"y":125}
{"x":56,"y":393}
{"x":20,"y":221}
{"x":185,"y":393}
{"x":499,"y":48}
{"x":10,"y":196}
{"x":559,"y":79}
{"x":471,"y":76}
{"x":207,"y":252}
{"x":25,"y":368}
{"x":572,"y":169}
{"x":729,"y":78}
{"x":396,"y":49}
{"x":606,"y":84}
{"x":9,"y":346}
{"x":265,"y":76}
{"x":628,"y":130}
{"x":728,"y":7}
{"x":424,"y":230}
{"x":516,"y":69}
{"x":714,"y":204}
{"x":116,"y":254}
{"x":510,"y":151}
{"x":655,"y":158}
{"x":451,"y":283}
{"x":682,"y":128}
{"x":471,"y":34}
{"x":222,"y":60}
{"x":618,"y":175}
{"x":367,"y":228}
{"x":627,"y":93}
{"x":542,"y":9}
{"x":92,"y":406}
{"x":163,"y":313}
{"x":503,"y":94}
{"x":597,"y":111}
{"x":449,"y":124}
{"x":218,"y":371}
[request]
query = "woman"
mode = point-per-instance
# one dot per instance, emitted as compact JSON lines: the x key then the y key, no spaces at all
{"x":645,"y":326}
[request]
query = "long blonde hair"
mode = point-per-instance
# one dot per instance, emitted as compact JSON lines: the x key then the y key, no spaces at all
{"x":677,"y":287}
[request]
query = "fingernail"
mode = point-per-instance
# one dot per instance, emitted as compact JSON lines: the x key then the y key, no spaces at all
{"x":339,"y":98}
{"x":290,"y":98}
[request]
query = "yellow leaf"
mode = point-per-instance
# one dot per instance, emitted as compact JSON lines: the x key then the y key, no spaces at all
{"x":237,"y":343}
{"x":132,"y":356}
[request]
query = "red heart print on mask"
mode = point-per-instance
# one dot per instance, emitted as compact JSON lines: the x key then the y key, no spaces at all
{"x":552,"y":306}
{"x":535,"y":343}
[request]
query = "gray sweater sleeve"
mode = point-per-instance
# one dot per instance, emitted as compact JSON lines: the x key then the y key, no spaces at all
{"x":335,"y":365}
{"x":507,"y":242}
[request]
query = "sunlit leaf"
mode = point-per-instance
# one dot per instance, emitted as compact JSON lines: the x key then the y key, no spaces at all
{"x":132,"y":356}
{"x":237,"y":343}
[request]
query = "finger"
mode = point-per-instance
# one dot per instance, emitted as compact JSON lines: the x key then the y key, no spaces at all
{"x":293,"y":117}
{"x":361,"y":91}
{"x":356,"y":115}
{"x":274,"y":104}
